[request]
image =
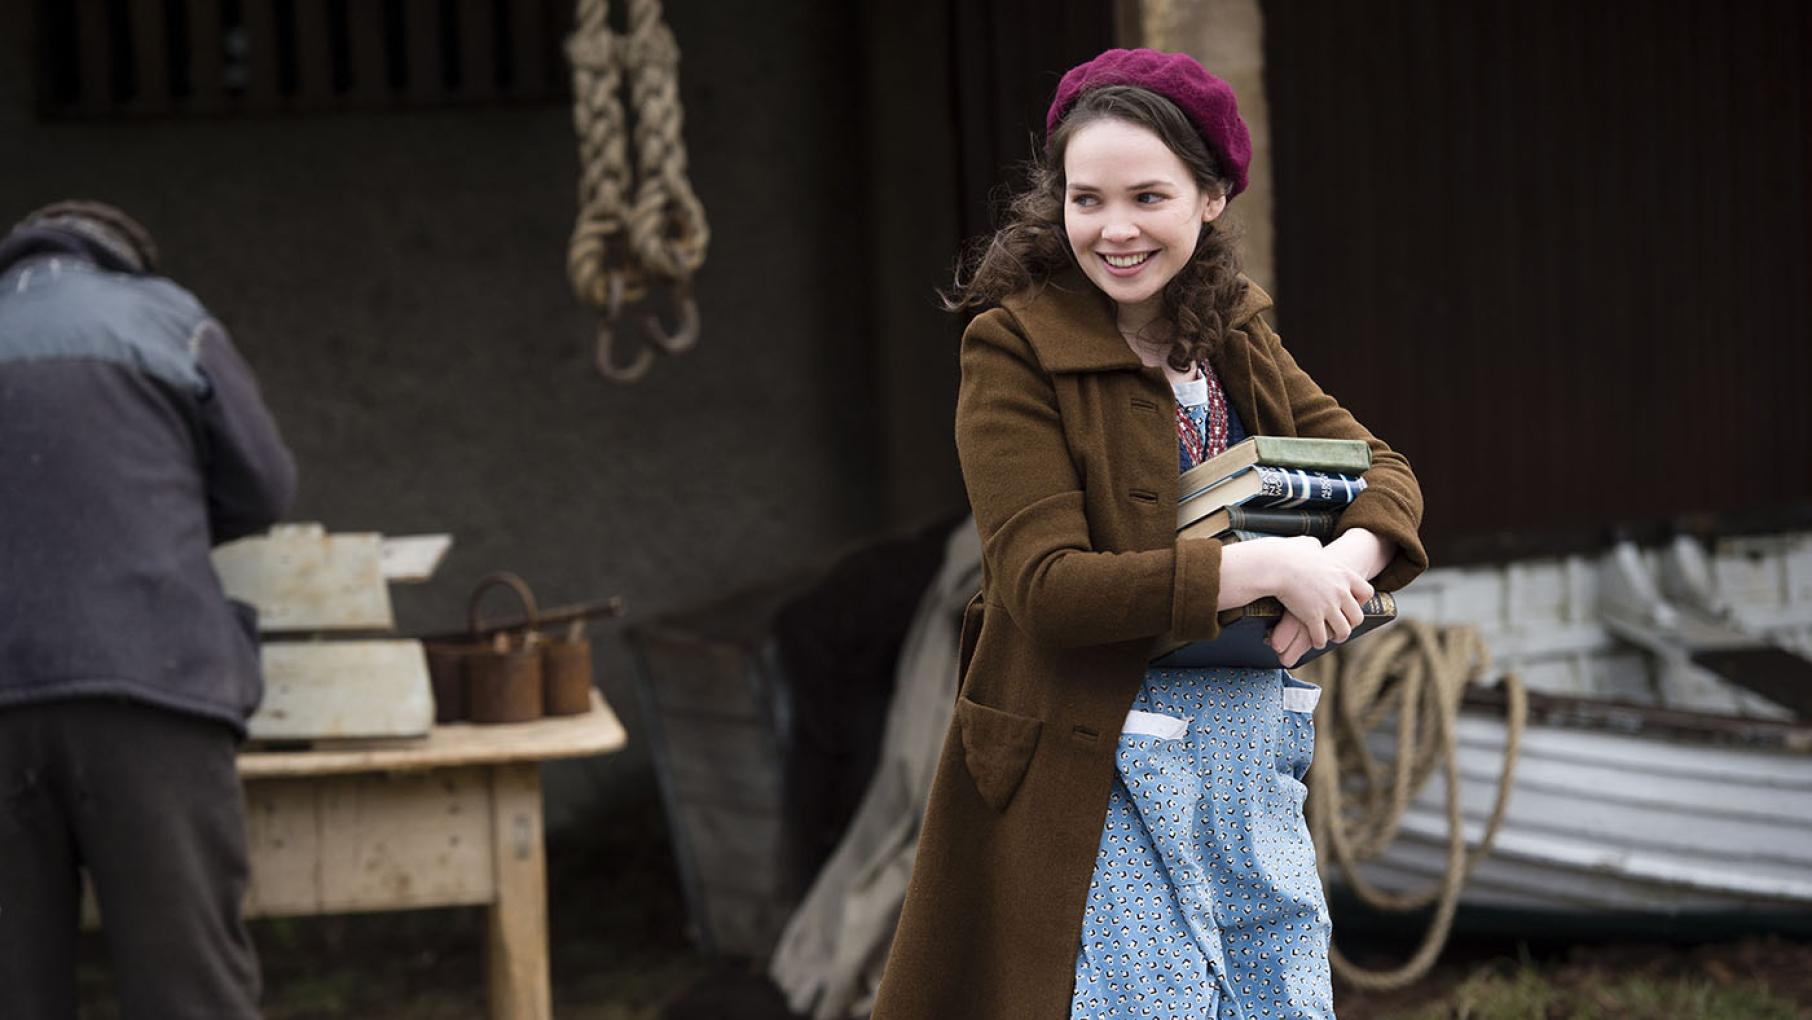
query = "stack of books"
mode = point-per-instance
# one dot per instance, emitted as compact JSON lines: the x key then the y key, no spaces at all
{"x":1268,"y":486}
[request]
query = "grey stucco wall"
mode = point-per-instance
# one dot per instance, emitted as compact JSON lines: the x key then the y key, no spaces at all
{"x":397,"y":281}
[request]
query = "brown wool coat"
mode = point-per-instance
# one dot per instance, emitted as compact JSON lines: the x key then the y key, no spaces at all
{"x":1068,"y":448}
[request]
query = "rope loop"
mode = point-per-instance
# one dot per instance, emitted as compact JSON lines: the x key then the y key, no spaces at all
{"x":668,"y":231}
{"x":598,"y":264}
{"x":1416,"y":674}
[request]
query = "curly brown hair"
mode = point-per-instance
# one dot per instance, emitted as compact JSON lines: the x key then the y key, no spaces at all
{"x":1032,"y":246}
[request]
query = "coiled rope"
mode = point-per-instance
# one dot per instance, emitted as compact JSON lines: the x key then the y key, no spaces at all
{"x":1417,"y":673}
{"x":619,"y":250}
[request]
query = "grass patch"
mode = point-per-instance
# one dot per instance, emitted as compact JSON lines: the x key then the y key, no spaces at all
{"x":1526,"y":991}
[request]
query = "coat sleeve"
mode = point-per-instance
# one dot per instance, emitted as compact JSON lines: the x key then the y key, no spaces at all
{"x":1030,"y":509}
{"x":1391,"y":505}
{"x":251,"y":476}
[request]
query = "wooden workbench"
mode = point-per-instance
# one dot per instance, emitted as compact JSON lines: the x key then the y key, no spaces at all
{"x":449,"y":820}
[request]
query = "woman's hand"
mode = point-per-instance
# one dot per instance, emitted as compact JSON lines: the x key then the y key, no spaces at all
{"x":1365,"y":554}
{"x":1363,"y":551}
{"x":1318,"y":587}
{"x":1290,"y":640}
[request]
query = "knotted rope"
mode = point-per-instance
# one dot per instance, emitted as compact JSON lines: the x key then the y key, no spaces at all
{"x":1418,"y":673}
{"x":619,"y":250}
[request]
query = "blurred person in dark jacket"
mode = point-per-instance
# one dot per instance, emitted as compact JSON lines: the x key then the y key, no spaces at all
{"x":132,"y":441}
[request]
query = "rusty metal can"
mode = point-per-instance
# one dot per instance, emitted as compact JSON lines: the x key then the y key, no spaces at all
{"x":447,"y":674}
{"x":504,"y":687}
{"x":566,"y":672}
{"x":503,"y":678}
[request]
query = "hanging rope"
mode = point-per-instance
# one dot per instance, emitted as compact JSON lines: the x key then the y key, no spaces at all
{"x":620,"y":249}
{"x":667,"y":224}
{"x":1418,"y":674}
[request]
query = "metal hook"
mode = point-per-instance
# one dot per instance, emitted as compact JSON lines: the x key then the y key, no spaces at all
{"x":683,"y":339}
{"x":607,"y":336}
{"x":607,"y":366}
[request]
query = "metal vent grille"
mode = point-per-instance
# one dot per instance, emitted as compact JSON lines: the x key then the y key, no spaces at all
{"x":105,"y":58}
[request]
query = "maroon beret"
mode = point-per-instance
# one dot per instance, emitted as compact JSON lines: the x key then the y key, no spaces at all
{"x":1207,"y":101}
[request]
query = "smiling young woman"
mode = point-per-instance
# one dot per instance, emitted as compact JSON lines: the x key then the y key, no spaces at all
{"x":1106,"y":839}
{"x":1133,"y":213}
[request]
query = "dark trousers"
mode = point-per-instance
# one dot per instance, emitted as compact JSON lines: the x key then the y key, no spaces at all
{"x":149,"y":803}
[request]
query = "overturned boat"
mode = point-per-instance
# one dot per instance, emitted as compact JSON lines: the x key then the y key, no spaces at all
{"x":1661,"y":775}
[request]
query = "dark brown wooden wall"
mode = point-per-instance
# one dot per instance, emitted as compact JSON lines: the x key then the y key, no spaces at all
{"x":954,"y":96}
{"x":1557,"y":252}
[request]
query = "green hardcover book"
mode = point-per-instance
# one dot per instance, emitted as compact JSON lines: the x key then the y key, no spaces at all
{"x":1338,"y":456}
{"x":1241,"y":642}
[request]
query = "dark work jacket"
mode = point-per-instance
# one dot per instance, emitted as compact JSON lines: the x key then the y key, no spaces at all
{"x":132,"y":440}
{"x":1069,"y":451}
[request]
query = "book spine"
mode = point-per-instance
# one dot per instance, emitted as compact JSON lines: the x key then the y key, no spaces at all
{"x":1342,"y":456}
{"x":1295,"y":489}
{"x":1316,"y":523}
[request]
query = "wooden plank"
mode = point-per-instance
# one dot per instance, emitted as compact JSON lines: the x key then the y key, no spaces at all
{"x":263,"y":83}
{"x":283,"y":840}
{"x":302,"y":579}
{"x":412,"y":558}
{"x":151,"y":56}
{"x":410,"y":840}
{"x":477,"y":50}
{"x":339,"y":689}
{"x":207,"y":57}
{"x":370,"y":56}
{"x":1694,"y":728}
{"x":422,"y":30}
{"x":572,"y":736}
{"x":95,"y":44}
{"x":528,"y":49}
{"x":517,"y":951}
{"x":314,"y":55}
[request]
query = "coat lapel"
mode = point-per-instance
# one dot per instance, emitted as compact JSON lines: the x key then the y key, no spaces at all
{"x":1071,"y":325}
{"x":1233,"y":365}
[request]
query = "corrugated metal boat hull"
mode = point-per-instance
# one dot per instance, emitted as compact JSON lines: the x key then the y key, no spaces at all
{"x":1611,"y":822}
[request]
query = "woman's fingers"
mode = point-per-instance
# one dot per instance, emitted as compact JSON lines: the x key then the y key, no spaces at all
{"x":1285,"y":632}
{"x":1318,"y":630}
{"x":1340,"y":627}
{"x":1297,"y":649}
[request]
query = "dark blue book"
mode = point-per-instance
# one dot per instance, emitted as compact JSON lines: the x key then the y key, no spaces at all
{"x":1236,"y":523}
{"x":1271,"y":488}
{"x":1241,"y":642}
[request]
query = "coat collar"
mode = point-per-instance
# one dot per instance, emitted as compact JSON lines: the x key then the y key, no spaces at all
{"x":1070,"y":323}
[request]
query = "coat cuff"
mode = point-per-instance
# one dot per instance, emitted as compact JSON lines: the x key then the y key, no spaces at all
{"x":1380,"y":514}
{"x":1197,"y":591}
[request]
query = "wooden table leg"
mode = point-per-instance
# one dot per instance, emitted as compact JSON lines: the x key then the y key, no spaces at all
{"x":517,"y":949}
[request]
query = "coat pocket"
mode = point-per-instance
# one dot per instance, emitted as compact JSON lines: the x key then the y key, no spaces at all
{"x":997,"y":749}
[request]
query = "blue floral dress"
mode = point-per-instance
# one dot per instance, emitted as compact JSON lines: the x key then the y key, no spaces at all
{"x":1205,"y":901}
